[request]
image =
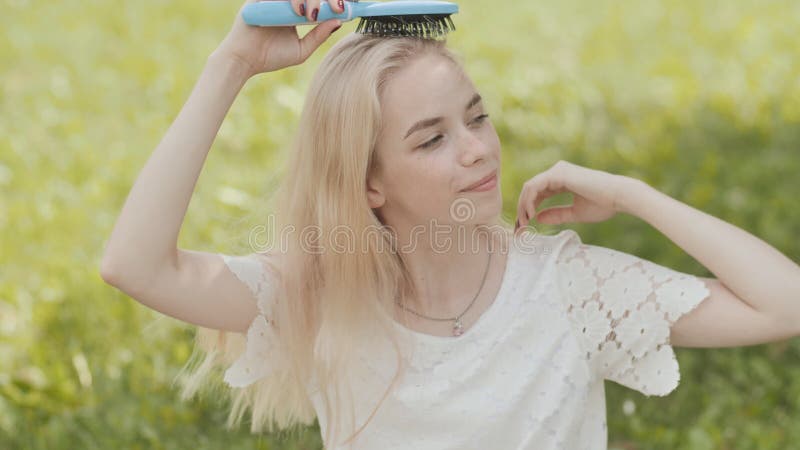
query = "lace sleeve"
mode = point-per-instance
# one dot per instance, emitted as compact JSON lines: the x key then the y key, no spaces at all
{"x":622,"y":308}
{"x":253,"y":364}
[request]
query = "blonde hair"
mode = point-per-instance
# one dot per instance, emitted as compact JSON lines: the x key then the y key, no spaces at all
{"x":322,"y":297}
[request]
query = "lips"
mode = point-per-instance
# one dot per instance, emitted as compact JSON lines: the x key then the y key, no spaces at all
{"x":480,"y":182}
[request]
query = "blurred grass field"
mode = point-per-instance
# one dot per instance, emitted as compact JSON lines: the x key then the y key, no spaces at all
{"x":699,"y":99}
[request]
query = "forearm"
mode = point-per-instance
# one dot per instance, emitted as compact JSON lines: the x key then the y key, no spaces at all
{"x":755,"y":271}
{"x":146,"y":232}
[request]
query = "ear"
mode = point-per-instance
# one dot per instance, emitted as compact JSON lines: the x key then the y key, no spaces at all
{"x":375,"y":197}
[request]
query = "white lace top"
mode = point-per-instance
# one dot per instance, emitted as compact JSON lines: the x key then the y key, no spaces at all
{"x":529,"y":373}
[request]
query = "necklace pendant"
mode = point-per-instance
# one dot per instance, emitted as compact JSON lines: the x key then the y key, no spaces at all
{"x":458,"y":330}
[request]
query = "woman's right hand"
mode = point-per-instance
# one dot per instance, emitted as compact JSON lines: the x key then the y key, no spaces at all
{"x":266,"y":49}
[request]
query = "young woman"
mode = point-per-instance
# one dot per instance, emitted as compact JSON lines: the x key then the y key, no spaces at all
{"x":395,"y":304}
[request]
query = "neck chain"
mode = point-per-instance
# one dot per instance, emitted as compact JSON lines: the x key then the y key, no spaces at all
{"x":457,"y":325}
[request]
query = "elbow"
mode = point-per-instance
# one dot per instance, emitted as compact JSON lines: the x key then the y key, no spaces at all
{"x":109,"y":267}
{"x":108,"y":272}
{"x":115,"y":274}
{"x":121,"y":280}
{"x":132,"y":279}
{"x":130,"y":272}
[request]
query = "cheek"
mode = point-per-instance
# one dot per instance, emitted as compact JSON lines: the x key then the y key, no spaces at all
{"x":412,"y":174}
{"x":436,"y":171}
{"x":493,"y":139}
{"x":426,"y":179}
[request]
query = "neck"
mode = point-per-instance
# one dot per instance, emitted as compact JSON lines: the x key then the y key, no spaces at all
{"x":447,"y":270}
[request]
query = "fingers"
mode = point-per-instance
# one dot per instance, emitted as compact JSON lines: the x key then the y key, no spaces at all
{"x":295,"y":4}
{"x":536,"y":190}
{"x":307,"y":8}
{"x":314,"y":38}
{"x":310,"y":8}
{"x":301,"y":8}
{"x":556,"y":214}
{"x":529,"y":198}
{"x":337,"y":5}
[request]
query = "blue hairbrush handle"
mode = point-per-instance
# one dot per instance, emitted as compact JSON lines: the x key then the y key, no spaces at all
{"x":280,"y":13}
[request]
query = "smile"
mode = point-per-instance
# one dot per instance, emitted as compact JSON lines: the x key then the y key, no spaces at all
{"x":487,"y":185}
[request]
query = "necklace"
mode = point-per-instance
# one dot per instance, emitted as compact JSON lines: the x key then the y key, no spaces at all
{"x":457,"y":325}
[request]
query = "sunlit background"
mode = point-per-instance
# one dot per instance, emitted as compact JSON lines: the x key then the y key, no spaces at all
{"x":699,"y":99}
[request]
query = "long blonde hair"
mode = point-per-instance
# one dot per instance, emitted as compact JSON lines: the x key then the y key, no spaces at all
{"x":322,"y":297}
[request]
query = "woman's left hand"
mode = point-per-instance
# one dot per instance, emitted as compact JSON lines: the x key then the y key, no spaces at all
{"x":597,"y":195}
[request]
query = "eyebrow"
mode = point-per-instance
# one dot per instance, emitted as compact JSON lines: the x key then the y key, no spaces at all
{"x":425,"y":123}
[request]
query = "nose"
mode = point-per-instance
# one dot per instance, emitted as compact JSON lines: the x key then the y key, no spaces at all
{"x":472,"y":148}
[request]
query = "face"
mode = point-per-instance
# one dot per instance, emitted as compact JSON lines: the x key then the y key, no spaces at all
{"x":436,"y":141}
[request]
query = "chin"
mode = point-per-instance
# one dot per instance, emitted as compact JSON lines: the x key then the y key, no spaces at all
{"x":469,"y":211}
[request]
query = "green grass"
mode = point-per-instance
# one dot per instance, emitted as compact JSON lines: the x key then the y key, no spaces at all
{"x":699,"y":99}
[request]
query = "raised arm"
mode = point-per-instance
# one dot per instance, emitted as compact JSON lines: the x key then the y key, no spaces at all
{"x":141,"y":256}
{"x":144,"y":239}
{"x":753,"y":300}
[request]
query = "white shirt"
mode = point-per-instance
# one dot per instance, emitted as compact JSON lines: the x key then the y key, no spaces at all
{"x":529,"y":374}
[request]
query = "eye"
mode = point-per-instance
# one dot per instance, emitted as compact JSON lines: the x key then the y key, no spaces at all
{"x":436,"y":139}
{"x":431,"y":142}
{"x":481,"y":118}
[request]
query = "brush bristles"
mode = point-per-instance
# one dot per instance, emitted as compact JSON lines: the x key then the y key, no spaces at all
{"x":422,"y":25}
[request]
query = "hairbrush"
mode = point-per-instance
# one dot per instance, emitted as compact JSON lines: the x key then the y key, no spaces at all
{"x":424,"y":19}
